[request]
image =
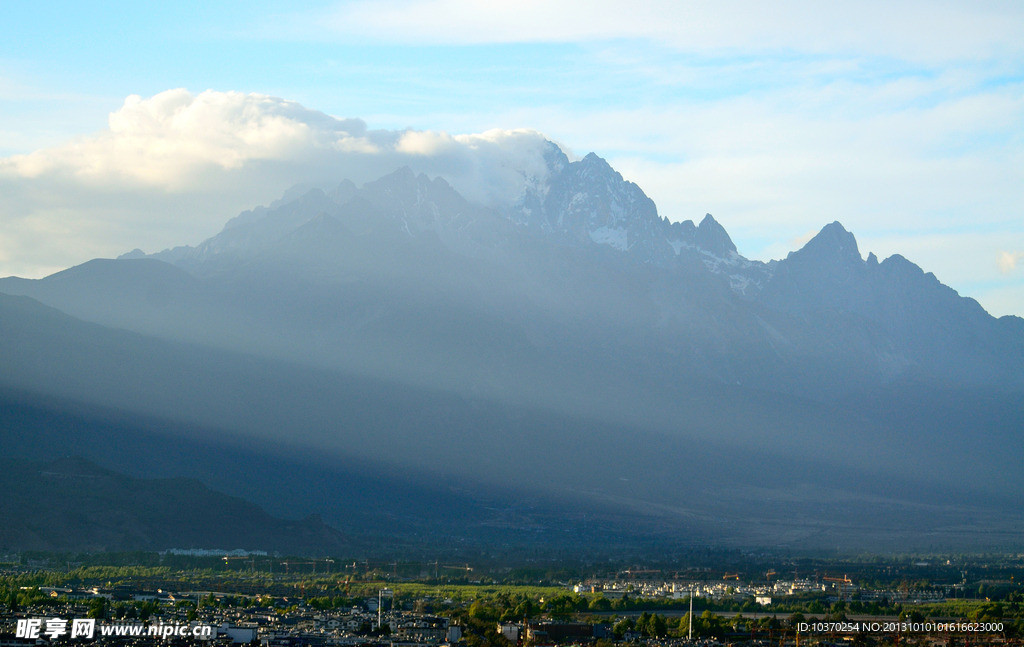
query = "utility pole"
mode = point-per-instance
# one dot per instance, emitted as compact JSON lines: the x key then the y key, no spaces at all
{"x":690,"y":637}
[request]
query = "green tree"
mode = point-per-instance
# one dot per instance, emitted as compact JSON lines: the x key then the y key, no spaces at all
{"x":98,"y":609}
{"x":622,"y":626}
{"x":684,"y":625}
{"x":708,"y":624}
{"x":643,"y":624}
{"x":658,"y":626}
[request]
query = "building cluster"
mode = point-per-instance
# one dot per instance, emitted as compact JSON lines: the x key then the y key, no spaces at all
{"x":297,"y":625}
{"x":374,"y":622}
{"x":762,"y":593}
{"x":718,"y":590}
{"x":553,"y":633}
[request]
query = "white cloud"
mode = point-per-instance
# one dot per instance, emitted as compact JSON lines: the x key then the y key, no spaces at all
{"x":173,"y":140}
{"x":179,"y":142}
{"x":172,"y":168}
{"x":1007,"y":261}
{"x":488,"y":167}
{"x":426,"y":143}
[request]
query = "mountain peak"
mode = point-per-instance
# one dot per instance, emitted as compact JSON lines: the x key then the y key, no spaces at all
{"x":712,"y":237}
{"x":135,"y":253}
{"x":555,"y":158}
{"x":709,"y":221}
{"x":403,"y":181}
{"x":404,"y":174}
{"x":833,"y":241}
{"x":593,"y":164}
{"x":403,"y":178}
{"x":835,"y":227}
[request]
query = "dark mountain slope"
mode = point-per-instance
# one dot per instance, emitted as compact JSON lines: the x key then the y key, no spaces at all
{"x":71,"y":504}
{"x":301,"y":441}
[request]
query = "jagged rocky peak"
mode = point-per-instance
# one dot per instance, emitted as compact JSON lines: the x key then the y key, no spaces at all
{"x":712,"y":237}
{"x":593,"y":165}
{"x":343,"y":192}
{"x":898,"y":268}
{"x":588,"y":202}
{"x":399,"y":192}
{"x":592,"y":177}
{"x":585,"y":201}
{"x":408,"y":183}
{"x":297,"y":201}
{"x":833,"y":242}
{"x":554,"y":158}
{"x":291,"y":195}
{"x":528,"y":209}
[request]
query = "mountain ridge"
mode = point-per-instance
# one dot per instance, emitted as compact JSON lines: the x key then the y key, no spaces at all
{"x":418,"y":231}
{"x":415,"y":233}
{"x":572,"y":326}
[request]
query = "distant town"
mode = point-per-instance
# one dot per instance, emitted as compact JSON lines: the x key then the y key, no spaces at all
{"x":255,"y":598}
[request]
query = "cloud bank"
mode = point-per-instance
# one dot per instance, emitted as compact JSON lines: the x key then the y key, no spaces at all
{"x":910,"y":30}
{"x":176,"y":166}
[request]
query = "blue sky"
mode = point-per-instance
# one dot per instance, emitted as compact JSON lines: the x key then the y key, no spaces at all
{"x":902,"y":120}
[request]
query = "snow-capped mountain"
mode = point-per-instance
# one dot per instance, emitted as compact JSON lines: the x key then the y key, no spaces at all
{"x":399,"y":318}
{"x":579,"y":244}
{"x":588,"y":201}
{"x":583,"y":203}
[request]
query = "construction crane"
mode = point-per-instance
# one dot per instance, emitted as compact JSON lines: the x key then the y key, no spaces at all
{"x":841,"y":580}
{"x":646,"y":571}
{"x":731,"y":576}
{"x":289,"y":563}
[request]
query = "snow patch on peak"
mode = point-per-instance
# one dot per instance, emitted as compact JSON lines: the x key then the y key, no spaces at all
{"x":744,"y":275}
{"x":615,"y":237}
{"x":679,"y":245}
